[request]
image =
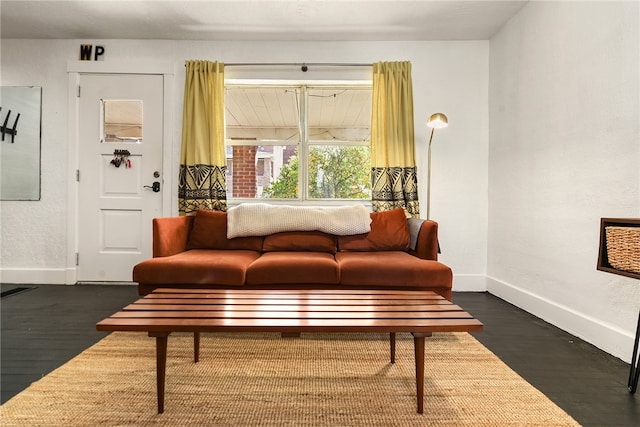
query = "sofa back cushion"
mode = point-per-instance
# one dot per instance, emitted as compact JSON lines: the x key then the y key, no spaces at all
{"x":210,"y":232}
{"x":389,"y":232}
{"x":300,"y":241}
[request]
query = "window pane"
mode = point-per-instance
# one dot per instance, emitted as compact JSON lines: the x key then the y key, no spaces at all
{"x":339,"y":172}
{"x":342,"y":114}
{"x":121,"y":121}
{"x":262,"y":171}
{"x":262,"y":114}
{"x":341,"y":169}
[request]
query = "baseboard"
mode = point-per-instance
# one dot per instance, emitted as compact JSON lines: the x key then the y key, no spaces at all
{"x":612,"y":340}
{"x":33,"y":276}
{"x":469,"y":283}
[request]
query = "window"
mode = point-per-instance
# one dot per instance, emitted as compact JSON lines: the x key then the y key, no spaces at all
{"x":121,"y":121}
{"x":300,"y":142}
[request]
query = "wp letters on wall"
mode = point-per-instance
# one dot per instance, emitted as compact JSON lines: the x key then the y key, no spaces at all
{"x":20,"y":111}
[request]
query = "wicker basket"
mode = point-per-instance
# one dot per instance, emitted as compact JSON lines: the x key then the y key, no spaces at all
{"x":623,"y":248}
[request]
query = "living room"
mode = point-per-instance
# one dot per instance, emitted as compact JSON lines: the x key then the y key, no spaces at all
{"x":543,"y":141}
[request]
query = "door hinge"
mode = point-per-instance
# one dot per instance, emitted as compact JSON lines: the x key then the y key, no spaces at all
{"x":78,"y":175}
{"x":77,"y":258}
{"x":78,"y":93}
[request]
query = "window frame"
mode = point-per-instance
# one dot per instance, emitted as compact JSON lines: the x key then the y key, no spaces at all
{"x":303,"y":143}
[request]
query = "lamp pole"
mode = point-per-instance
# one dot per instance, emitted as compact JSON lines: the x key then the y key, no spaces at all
{"x":436,"y":120}
{"x":429,"y":175}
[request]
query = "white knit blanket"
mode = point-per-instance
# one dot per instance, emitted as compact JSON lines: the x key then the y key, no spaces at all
{"x":261,"y":219}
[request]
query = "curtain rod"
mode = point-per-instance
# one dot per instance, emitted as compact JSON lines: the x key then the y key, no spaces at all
{"x":303,"y":64}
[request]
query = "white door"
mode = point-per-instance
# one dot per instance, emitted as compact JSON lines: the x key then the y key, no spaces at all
{"x":120,"y":129}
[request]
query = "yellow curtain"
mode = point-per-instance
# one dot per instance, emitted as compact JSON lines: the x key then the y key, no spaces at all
{"x":202,"y":182}
{"x":393,"y":164}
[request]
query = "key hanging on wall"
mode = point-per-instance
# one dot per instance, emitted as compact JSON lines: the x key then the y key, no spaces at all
{"x":121,"y":157}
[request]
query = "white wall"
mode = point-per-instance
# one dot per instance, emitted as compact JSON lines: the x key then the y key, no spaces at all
{"x":450,"y":77}
{"x":565,"y":151}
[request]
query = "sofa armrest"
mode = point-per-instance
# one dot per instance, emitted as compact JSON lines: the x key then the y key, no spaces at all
{"x":171,"y":234}
{"x":427,"y":242}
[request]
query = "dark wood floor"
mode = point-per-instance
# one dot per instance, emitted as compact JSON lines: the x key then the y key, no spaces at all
{"x":47,"y":325}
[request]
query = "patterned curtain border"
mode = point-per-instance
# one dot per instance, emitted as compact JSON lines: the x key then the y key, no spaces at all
{"x":394,"y":187}
{"x":202,"y":187}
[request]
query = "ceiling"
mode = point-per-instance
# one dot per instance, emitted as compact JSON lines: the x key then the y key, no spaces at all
{"x":298,"y":20}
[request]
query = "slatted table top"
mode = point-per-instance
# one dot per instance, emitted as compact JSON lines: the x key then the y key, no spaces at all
{"x":243,"y":310}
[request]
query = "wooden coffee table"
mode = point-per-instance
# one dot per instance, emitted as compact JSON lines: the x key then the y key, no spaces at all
{"x":290,"y":311}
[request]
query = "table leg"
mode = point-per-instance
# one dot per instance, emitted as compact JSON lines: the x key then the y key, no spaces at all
{"x":196,"y":347}
{"x":161,"y":365}
{"x":418,"y":344}
{"x":392,"y":346}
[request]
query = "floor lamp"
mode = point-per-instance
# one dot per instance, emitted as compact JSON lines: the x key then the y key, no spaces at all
{"x":435,"y":121}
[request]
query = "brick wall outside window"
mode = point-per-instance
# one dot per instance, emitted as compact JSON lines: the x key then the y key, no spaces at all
{"x":244,"y":171}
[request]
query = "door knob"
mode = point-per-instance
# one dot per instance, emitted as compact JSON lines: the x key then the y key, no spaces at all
{"x":155,"y":186}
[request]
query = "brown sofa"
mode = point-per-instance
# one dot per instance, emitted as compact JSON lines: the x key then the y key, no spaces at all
{"x":194,"y":252}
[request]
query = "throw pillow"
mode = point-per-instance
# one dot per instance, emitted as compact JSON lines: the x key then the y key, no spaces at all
{"x":301,"y":241}
{"x":389,"y":232}
{"x":210,"y":232}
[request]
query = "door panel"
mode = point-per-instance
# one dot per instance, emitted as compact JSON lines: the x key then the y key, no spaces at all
{"x":120,"y":156}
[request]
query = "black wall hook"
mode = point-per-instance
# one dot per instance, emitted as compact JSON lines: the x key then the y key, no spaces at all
{"x":11,"y":131}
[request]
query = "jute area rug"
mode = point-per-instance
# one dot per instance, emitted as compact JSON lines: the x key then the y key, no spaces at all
{"x":266,"y":380}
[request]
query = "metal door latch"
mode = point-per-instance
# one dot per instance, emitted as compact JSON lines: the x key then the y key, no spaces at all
{"x":155,"y":186}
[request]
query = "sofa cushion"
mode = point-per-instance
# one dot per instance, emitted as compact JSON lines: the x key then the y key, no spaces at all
{"x":389,"y":232}
{"x":197,"y":266}
{"x":210,"y":232}
{"x":301,"y":241}
{"x":293,"y":268}
{"x":392,"y":268}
